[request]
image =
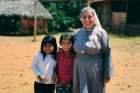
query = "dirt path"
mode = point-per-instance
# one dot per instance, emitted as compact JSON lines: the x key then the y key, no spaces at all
{"x":16,"y":55}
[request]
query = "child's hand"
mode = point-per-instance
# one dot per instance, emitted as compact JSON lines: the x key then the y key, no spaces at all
{"x":55,"y":79}
{"x":42,"y":78}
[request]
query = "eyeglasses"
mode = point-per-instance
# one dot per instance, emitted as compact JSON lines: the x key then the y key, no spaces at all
{"x":86,"y":17}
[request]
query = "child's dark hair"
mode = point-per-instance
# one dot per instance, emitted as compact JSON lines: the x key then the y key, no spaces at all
{"x":49,"y":40}
{"x":69,"y":37}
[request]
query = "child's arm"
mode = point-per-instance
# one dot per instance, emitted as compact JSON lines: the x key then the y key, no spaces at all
{"x":36,"y":70}
{"x":54,"y":77}
{"x":35,"y":66}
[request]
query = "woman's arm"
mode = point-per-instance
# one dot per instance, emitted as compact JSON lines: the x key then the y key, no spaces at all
{"x":106,"y":56}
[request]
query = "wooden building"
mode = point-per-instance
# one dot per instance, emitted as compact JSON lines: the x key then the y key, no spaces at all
{"x":17,"y":17}
{"x":118,"y":16}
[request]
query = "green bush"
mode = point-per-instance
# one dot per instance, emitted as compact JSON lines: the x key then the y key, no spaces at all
{"x":65,"y":15}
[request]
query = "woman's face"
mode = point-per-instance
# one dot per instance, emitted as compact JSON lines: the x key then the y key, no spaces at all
{"x":88,"y":20}
{"x":48,"y":49}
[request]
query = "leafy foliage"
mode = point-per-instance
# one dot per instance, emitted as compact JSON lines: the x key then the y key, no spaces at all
{"x":65,"y":14}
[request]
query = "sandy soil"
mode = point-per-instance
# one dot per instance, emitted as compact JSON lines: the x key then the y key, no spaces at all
{"x":16,"y":55}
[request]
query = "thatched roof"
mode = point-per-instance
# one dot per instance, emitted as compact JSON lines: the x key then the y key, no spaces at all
{"x":23,"y":8}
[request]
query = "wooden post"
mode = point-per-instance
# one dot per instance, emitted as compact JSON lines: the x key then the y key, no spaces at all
{"x":46,"y":26}
{"x":88,"y":2}
{"x":35,"y":20}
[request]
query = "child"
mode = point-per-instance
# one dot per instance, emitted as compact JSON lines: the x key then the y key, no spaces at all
{"x":65,"y":59}
{"x":43,"y":66}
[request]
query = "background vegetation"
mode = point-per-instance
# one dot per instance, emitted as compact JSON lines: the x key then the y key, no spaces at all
{"x":65,"y":14}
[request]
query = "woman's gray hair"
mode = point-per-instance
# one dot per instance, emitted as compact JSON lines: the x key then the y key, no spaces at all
{"x":87,"y":9}
{"x":97,"y":22}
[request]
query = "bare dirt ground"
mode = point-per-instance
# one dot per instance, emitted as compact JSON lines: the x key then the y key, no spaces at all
{"x":16,"y":55}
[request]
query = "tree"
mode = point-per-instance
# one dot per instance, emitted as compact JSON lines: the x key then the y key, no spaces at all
{"x":65,"y":14}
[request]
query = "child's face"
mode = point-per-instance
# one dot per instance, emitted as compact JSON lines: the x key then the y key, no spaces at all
{"x":66,"y":45}
{"x":48,"y":49}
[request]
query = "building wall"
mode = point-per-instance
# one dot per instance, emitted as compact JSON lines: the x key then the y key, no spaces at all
{"x":21,"y":26}
{"x":133,"y":18}
{"x":133,"y":29}
{"x":119,"y":22}
{"x":103,"y":11}
{"x":121,"y":17}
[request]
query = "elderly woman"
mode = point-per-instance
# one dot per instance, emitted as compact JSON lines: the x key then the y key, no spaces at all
{"x":93,"y":64}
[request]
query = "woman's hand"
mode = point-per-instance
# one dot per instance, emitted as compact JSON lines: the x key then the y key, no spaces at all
{"x":42,"y":78}
{"x":106,"y":80}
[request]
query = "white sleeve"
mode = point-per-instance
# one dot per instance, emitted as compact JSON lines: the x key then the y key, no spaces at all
{"x":34,"y":66}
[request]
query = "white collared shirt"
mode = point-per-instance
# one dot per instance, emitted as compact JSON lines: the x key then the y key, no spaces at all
{"x":44,"y":66}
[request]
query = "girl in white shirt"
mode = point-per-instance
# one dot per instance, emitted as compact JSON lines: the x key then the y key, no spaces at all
{"x":44,"y":64}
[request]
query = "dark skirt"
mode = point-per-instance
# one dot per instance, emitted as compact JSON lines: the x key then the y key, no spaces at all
{"x":43,"y":88}
{"x":88,"y":76}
